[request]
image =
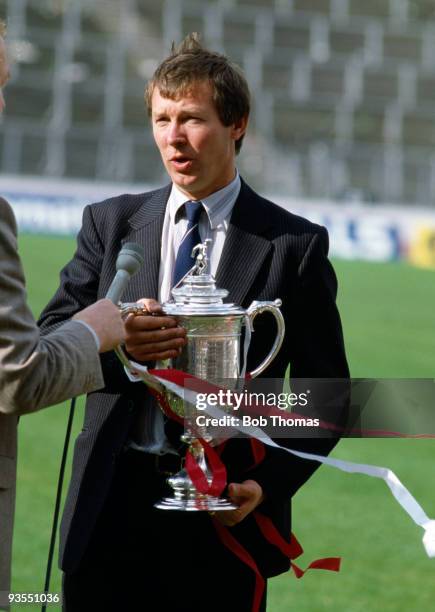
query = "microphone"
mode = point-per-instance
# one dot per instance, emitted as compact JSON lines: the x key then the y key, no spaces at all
{"x":129,"y":260}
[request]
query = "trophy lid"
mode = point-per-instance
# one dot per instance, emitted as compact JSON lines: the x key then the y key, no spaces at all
{"x":197,"y":293}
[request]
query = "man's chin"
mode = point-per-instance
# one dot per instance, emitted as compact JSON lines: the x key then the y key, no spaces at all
{"x":186,"y":182}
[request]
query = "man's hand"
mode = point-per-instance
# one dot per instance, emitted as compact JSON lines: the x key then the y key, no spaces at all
{"x":247,"y":495}
{"x":105,"y":319}
{"x":155,"y":336}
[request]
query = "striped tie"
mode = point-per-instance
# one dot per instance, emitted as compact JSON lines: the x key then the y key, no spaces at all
{"x":184,"y":261}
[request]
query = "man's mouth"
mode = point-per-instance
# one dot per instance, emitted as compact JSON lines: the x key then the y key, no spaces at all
{"x":181,"y":162}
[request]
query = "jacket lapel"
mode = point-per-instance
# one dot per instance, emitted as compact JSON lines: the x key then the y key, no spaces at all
{"x":146,"y":229}
{"x":245,"y":247}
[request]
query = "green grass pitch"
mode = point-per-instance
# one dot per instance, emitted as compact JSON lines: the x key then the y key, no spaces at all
{"x":389,"y":324}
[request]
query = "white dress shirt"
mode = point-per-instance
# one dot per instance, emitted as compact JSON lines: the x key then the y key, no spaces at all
{"x":213,"y":224}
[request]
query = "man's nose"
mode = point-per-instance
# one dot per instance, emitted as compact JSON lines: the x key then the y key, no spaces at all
{"x":176,"y":134}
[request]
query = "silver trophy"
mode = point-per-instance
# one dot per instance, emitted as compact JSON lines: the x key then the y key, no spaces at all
{"x":212,"y":353}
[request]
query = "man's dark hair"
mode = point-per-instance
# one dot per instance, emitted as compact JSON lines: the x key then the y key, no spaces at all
{"x":190,"y":63}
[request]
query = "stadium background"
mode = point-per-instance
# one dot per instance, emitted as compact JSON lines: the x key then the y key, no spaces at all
{"x":342,"y":131}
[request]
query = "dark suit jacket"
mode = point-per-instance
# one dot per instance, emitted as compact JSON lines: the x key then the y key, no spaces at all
{"x":268,"y":254}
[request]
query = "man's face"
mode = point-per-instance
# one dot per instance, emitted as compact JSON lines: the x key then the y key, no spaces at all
{"x":4,"y":71}
{"x":198,"y":151}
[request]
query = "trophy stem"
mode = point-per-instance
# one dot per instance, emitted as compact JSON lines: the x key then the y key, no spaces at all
{"x":185,"y":494}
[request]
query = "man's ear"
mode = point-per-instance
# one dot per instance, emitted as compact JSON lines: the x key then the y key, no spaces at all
{"x":239,"y":128}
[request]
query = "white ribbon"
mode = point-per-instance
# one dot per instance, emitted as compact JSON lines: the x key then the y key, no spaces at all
{"x":399,"y":491}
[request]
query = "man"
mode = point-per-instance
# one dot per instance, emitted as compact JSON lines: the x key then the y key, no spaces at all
{"x":117,"y":551}
{"x":37,"y":372}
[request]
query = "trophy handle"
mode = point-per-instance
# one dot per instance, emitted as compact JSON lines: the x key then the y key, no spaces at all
{"x":257,"y":308}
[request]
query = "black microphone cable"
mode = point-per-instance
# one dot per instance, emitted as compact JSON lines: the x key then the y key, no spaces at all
{"x":58,"y":500}
{"x":130,"y":259}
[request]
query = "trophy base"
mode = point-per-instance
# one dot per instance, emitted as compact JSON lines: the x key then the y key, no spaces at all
{"x":206,"y":503}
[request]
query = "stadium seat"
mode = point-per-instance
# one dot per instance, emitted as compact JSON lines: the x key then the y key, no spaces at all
{"x":401,"y":47}
{"x":368,"y":125}
{"x":345,"y":41}
{"x":426,"y":91}
{"x":291,"y":38}
{"x":146,"y":162}
{"x":93,"y":58}
{"x":87,"y":103}
{"x":80,"y":155}
{"x":276,"y":73}
{"x":327,"y":81}
{"x":253,"y":3}
{"x":369,"y":8}
{"x":44,"y":15}
{"x":33,"y":153}
{"x":29,"y":100}
{"x":135,"y":113}
{"x":191,"y":23}
{"x":238,"y":27}
{"x":41,"y":63}
{"x":416,"y":180}
{"x":312,"y":6}
{"x":151,"y":12}
{"x":296,"y":125}
{"x":364,"y":172}
{"x":419,"y":129}
{"x":422,"y":10}
{"x":88,"y":24}
{"x":380,"y":86}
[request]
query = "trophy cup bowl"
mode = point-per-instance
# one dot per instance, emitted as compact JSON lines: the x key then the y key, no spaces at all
{"x":213,"y":354}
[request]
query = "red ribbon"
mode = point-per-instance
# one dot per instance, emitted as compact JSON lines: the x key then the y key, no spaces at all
{"x":217,"y":468}
{"x":293,"y":549}
{"x":166,"y":407}
{"x":241,"y":553}
{"x":257,"y":448}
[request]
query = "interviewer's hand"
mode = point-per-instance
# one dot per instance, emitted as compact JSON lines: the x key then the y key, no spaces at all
{"x":155,"y":336}
{"x":247,"y":495}
{"x":105,"y":319}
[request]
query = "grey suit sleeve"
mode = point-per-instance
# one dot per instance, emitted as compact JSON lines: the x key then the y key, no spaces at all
{"x":36,"y":372}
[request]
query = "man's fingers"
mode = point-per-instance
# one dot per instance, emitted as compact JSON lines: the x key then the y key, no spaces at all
{"x":157,"y":336}
{"x":154,"y":336}
{"x":160,"y":356}
{"x":235,"y":493}
{"x":241,"y":493}
{"x":148,"y":322}
{"x":229,"y":518}
{"x":151,"y":305}
{"x":247,"y":496}
{"x":155,"y":347}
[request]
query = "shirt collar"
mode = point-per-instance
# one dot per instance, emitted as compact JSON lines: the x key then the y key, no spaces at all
{"x":218,"y":205}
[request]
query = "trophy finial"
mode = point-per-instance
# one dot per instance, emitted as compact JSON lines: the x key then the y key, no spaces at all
{"x":202,"y":259}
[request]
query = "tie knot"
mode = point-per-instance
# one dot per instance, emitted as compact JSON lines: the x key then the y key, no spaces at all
{"x":193,"y":211}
